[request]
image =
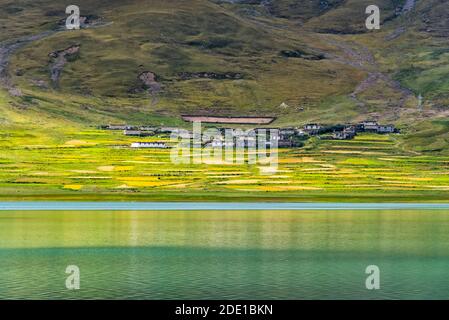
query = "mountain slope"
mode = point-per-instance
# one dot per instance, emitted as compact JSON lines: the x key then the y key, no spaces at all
{"x":149,"y":61}
{"x":205,"y":58}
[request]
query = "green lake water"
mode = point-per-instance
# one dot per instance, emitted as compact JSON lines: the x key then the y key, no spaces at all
{"x":225,"y":254}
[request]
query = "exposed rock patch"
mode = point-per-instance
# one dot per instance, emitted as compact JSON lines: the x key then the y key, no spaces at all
{"x":41,"y":84}
{"x":59,"y":60}
{"x":435,"y":18}
{"x":149,"y":81}
{"x":73,"y":49}
{"x":15,"y":92}
{"x":210,"y":75}
{"x":301,"y":54}
{"x":408,"y":6}
{"x":88,"y":21}
{"x":7,"y":48}
{"x":396,"y":33}
{"x":213,"y":43}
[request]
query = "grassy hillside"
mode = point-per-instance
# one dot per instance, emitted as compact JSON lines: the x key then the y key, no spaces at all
{"x":272,"y":46}
{"x":172,"y":39}
{"x":226,"y":57}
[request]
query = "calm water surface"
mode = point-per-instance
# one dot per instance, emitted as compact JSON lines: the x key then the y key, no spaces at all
{"x":225,"y":254}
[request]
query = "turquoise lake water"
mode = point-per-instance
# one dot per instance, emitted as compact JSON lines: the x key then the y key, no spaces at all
{"x":225,"y":254}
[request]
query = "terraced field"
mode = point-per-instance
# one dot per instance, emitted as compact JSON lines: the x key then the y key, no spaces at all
{"x":100,"y":165}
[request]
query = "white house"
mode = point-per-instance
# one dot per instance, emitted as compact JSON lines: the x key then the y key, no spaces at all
{"x":151,"y":145}
{"x":386,"y":129}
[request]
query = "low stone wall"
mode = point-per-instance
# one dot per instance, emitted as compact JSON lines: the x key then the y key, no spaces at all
{"x":229,"y":120}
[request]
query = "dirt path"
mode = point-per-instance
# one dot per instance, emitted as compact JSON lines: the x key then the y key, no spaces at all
{"x":360,"y":57}
{"x":408,"y":6}
{"x":9,"y":47}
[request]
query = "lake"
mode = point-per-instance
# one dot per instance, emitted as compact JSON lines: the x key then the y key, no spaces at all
{"x":306,"y":253}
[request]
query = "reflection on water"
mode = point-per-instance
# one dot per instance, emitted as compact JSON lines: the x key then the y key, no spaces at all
{"x":235,"y":255}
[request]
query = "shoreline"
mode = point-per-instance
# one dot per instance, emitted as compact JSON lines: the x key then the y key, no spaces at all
{"x":209,"y":206}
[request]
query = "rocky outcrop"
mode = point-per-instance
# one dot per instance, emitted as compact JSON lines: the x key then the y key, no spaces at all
{"x":149,"y":82}
{"x":73,"y":49}
{"x":59,"y":60}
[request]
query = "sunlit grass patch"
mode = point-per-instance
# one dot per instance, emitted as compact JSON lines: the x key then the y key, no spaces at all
{"x":361,"y":162}
{"x":106,"y":168}
{"x":75,"y":187}
{"x":242,"y":181}
{"x":287,"y":188}
{"x":145,"y":183}
{"x":78,"y":143}
{"x":299,"y":160}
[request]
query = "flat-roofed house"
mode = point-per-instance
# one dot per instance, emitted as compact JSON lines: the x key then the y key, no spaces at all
{"x":287,"y":133}
{"x":147,"y":128}
{"x":220,"y":144}
{"x":370,"y":126}
{"x":351,"y":130}
{"x":389,"y":128}
{"x":149,"y":145}
{"x":168,"y":130}
{"x":137,"y":133}
{"x":343,"y":135}
{"x":348,"y":133}
{"x":118,"y":127}
{"x":312,"y":128}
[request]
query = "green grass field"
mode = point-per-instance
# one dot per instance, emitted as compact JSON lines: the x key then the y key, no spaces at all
{"x":99,"y":165}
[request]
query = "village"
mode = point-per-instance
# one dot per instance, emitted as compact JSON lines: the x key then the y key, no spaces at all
{"x":288,"y":137}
